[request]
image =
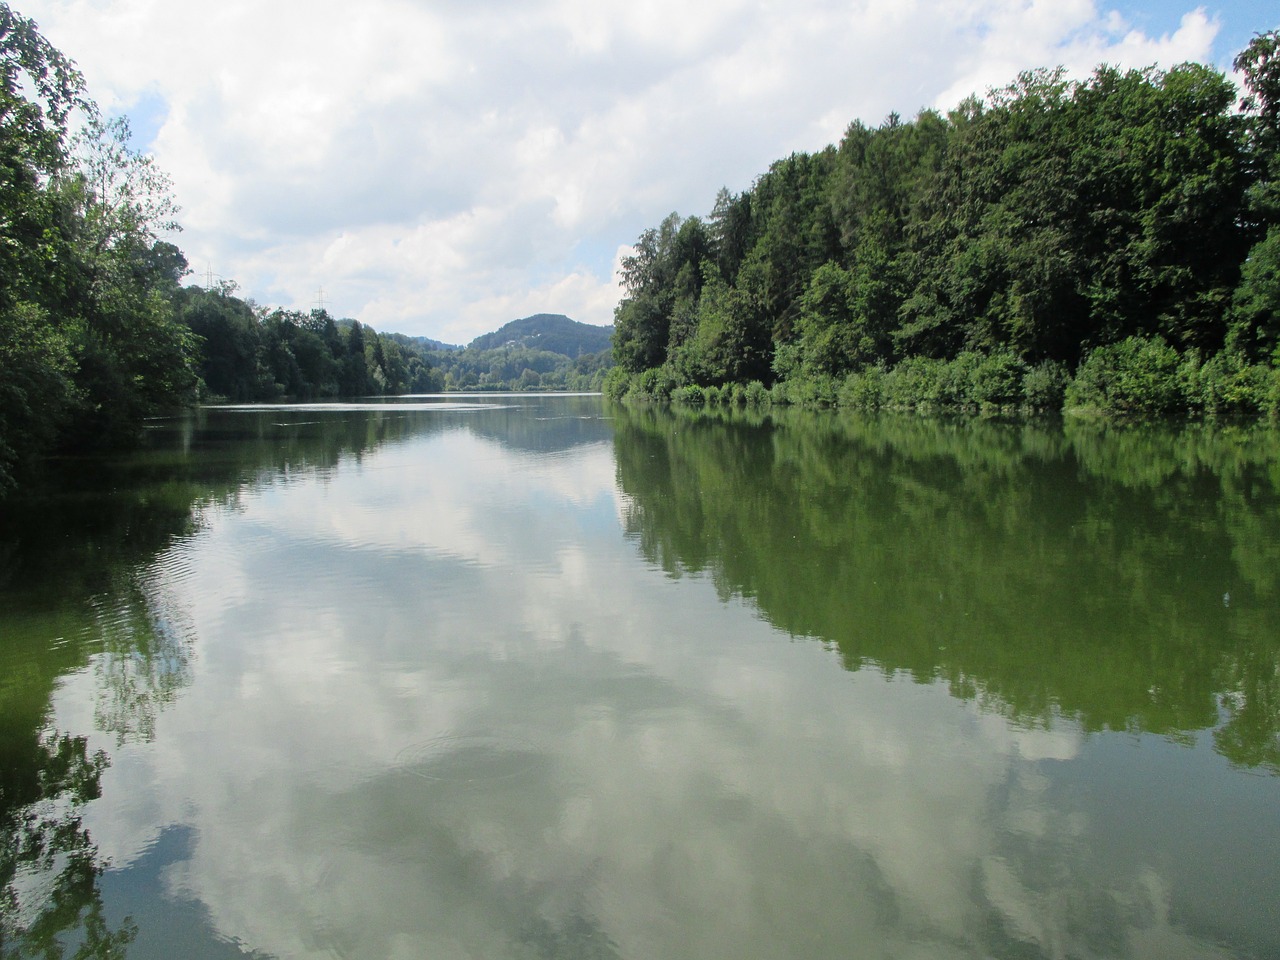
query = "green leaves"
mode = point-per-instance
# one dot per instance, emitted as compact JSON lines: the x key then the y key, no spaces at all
{"x":28,"y":62}
{"x":88,"y":335}
{"x":36,"y":389}
{"x":1260,"y":64}
{"x":1255,"y":313}
{"x":1052,"y":219}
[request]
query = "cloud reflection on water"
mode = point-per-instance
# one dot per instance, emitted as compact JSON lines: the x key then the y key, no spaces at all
{"x":684,"y":781}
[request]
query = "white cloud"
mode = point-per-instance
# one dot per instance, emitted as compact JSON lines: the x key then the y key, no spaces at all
{"x":434,"y":166}
{"x":1072,"y":35}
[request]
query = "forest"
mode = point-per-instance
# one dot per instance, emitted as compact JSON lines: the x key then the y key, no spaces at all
{"x":1110,"y":245}
{"x":245,"y":352}
{"x":97,"y":331}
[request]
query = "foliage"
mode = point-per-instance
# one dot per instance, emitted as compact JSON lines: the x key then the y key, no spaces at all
{"x":977,"y":259}
{"x":616,"y":383}
{"x":1228,"y":386}
{"x":251,"y":353}
{"x":90,"y":342}
{"x":515,"y":367}
{"x":1135,"y":376}
{"x":1044,"y":386}
{"x":35,"y":386}
{"x":1255,"y":312}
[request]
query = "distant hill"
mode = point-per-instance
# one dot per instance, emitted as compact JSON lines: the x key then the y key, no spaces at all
{"x":552,"y":332}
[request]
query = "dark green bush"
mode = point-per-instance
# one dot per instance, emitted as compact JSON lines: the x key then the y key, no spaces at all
{"x":863,"y":390}
{"x":996,"y":380}
{"x":912,"y":383}
{"x":1135,"y":377}
{"x":616,"y":383}
{"x":757,"y":395}
{"x":653,"y":384}
{"x":1226,"y":385}
{"x":815,"y":391}
{"x":692,"y":395}
{"x":1044,"y":386}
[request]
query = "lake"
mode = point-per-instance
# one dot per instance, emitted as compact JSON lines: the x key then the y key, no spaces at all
{"x":536,"y":677}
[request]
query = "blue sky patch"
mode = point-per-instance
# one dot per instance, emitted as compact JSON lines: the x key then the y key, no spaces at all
{"x":147,"y":115}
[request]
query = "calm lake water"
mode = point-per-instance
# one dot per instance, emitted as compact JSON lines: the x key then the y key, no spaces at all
{"x":533,"y":677}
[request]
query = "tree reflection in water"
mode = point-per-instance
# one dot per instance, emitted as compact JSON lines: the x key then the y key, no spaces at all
{"x":78,"y":589}
{"x":50,"y":903}
{"x":1040,"y":569}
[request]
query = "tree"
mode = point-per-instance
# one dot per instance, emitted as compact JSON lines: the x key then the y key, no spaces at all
{"x":128,"y":200}
{"x":134,"y":356}
{"x":796,"y":232}
{"x":729,"y":227}
{"x":1260,"y":64}
{"x":1255,"y":314}
{"x":730,"y":340}
{"x":38,"y":90}
{"x":662,"y":278}
{"x":354,"y":380}
{"x":1070,"y":215}
{"x":883,"y":174}
{"x":230,"y":342}
{"x":85,"y":274}
{"x":36,"y":388}
{"x":394,"y":366}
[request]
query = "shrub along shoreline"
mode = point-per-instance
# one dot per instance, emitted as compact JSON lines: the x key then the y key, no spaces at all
{"x":1135,"y":378}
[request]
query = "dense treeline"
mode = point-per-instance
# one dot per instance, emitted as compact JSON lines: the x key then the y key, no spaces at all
{"x":1112,"y":244}
{"x":520,"y":367}
{"x":541,"y":352}
{"x":246,"y":352}
{"x":552,"y":332}
{"x":252,"y":353}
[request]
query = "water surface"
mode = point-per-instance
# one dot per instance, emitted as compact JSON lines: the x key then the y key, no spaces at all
{"x":533,"y":677}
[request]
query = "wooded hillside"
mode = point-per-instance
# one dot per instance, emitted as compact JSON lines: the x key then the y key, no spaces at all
{"x":1112,"y":243}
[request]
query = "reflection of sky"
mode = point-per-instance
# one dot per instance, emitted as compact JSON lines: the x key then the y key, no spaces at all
{"x":439,"y":707}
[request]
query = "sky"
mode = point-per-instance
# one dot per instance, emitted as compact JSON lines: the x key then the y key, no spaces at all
{"x":441,"y":167}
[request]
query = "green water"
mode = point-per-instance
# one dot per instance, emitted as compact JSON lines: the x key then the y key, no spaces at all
{"x":533,"y":677}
